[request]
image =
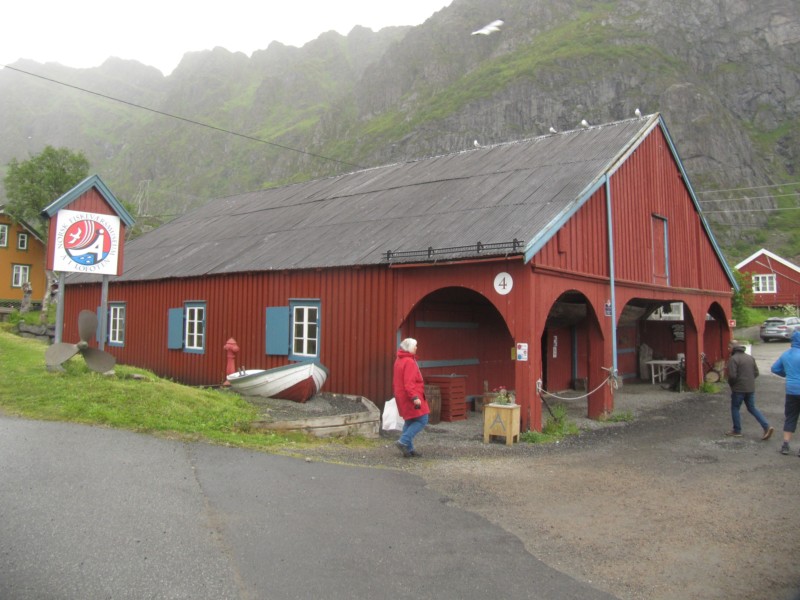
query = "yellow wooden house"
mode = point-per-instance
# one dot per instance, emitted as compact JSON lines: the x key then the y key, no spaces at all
{"x":22,"y":260}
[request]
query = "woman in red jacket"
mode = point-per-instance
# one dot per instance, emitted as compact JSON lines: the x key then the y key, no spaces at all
{"x":409,"y":392}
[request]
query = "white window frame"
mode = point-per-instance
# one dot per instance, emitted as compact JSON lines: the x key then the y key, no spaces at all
{"x":22,"y":241}
{"x":194,"y":331}
{"x":675,"y":314}
{"x":764,"y":284}
{"x":116,"y":324}
{"x":3,"y":235}
{"x":20,"y":274}
{"x":305,"y":330}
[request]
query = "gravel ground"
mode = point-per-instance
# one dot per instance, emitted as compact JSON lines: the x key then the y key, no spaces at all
{"x":664,"y":506}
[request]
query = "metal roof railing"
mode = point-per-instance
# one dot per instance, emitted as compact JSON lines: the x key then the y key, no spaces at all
{"x":432,"y":253}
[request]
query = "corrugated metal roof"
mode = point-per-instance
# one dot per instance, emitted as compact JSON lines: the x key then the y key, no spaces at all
{"x":491,"y":195}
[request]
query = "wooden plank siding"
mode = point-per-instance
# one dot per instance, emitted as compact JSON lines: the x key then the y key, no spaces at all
{"x":10,"y":255}
{"x":649,"y":184}
{"x":357,"y":338}
{"x":574,"y":249}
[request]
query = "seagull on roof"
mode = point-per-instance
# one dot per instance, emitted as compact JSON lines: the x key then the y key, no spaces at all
{"x":553,"y":130}
{"x":584,"y":123}
{"x":490,"y":28}
{"x":638,"y":113}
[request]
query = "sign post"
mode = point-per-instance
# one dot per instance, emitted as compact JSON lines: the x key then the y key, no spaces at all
{"x":86,"y":235}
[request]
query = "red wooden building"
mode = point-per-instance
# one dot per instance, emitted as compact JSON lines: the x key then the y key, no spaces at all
{"x":776,"y":281}
{"x":527,"y":264}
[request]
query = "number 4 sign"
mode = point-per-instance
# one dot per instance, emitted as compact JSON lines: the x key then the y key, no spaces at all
{"x":503,"y":283}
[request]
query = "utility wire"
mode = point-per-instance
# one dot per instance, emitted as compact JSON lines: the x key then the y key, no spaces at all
{"x":171,"y":116}
{"x":349,"y":164}
{"x":749,"y":198}
{"x":756,"y":187}
{"x":741,"y":210}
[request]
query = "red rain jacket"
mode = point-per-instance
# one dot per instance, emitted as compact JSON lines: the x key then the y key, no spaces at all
{"x":407,"y":384}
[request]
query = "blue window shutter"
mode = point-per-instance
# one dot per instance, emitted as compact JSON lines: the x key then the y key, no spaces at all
{"x":175,"y":329}
{"x":278,"y":330}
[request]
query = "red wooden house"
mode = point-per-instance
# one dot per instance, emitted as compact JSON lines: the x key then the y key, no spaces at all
{"x":529,"y":265}
{"x":776,"y":281}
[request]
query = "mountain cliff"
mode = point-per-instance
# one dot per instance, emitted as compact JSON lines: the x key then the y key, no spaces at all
{"x":722,"y":72}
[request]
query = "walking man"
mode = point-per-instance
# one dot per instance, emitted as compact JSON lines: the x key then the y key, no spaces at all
{"x":742,"y":373}
{"x":788,"y":366}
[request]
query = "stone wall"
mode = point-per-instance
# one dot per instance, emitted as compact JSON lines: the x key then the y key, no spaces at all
{"x":45,"y":333}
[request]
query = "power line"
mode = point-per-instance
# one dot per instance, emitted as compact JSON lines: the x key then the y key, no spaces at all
{"x":741,"y":210}
{"x":756,"y":187}
{"x":171,"y":116}
{"x":750,"y":198}
{"x":349,"y":164}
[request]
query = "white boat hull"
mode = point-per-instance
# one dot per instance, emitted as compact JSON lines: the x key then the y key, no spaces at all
{"x":297,"y":382}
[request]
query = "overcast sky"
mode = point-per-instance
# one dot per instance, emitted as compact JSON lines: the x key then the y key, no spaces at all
{"x":84,"y":33}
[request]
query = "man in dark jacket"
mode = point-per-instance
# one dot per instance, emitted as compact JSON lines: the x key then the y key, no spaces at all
{"x":742,"y":373}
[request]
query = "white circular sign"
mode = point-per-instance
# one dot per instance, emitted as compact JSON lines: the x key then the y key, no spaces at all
{"x":503,"y":283}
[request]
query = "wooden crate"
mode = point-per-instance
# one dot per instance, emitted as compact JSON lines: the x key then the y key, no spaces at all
{"x":453,"y":392}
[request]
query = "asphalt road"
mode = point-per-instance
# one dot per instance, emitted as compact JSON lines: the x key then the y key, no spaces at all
{"x":89,"y":513}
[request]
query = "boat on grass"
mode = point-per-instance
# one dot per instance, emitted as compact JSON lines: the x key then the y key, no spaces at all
{"x":297,"y":381}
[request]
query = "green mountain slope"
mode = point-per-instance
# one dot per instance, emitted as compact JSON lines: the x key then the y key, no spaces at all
{"x":724,"y":73}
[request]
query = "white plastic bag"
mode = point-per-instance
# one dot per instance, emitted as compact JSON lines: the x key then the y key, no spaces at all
{"x":392,"y":421}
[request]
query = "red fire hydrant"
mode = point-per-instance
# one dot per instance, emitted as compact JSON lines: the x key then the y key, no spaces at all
{"x":231,"y":350}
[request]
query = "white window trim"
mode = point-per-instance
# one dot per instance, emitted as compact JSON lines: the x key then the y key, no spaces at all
{"x":20,"y":274}
{"x":116,"y":324}
{"x":3,"y":235}
{"x":22,"y":241}
{"x":305,"y":330}
{"x":194,"y":333}
{"x":759,"y":282}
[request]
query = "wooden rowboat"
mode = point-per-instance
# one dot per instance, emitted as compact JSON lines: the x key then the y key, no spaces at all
{"x":298,"y":381}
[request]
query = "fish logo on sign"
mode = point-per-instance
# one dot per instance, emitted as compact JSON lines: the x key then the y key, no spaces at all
{"x":87,"y":242}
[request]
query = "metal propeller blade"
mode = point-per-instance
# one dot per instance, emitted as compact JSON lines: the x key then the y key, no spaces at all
{"x":87,"y":325}
{"x":59,"y":353}
{"x":98,"y":360}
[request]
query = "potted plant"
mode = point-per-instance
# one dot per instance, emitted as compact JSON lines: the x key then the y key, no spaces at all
{"x":503,"y":396}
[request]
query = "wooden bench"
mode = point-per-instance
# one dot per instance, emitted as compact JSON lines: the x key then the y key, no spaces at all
{"x":4,"y":312}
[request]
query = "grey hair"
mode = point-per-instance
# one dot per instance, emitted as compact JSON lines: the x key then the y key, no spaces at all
{"x":407,"y":344}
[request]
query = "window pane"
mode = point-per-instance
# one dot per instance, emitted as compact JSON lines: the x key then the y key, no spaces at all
{"x":195,"y":327}
{"x":20,"y":274}
{"x":305,"y":330}
{"x":116,"y":330}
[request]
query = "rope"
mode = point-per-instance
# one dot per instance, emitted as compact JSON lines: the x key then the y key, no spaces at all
{"x":612,"y":380}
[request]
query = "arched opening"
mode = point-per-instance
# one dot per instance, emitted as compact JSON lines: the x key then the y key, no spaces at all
{"x":461,"y":334}
{"x":653,"y":330}
{"x":571,"y":335}
{"x":715,"y":336}
{"x":661,"y":339}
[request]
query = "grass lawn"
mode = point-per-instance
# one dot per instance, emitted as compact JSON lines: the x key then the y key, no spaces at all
{"x":133,"y":399}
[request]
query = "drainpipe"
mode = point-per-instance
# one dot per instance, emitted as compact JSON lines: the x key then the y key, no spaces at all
{"x":612,"y":278}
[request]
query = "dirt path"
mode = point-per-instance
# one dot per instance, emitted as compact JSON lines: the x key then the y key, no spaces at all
{"x":664,"y":507}
{"x":660,"y":508}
